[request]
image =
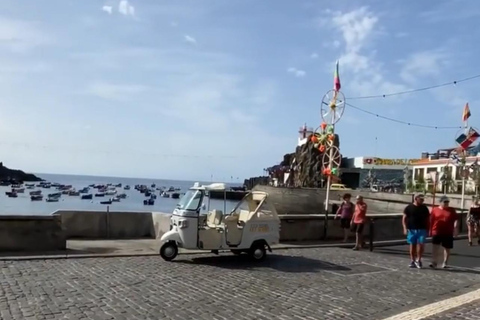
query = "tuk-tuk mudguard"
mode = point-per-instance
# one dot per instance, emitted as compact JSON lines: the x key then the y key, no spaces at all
{"x":171,"y":235}
{"x":263,"y":239}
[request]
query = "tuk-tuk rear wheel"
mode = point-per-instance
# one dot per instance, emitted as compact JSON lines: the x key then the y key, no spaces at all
{"x":169,"y":251}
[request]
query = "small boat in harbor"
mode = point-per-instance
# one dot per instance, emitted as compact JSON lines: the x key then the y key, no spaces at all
{"x":171,"y":189}
{"x":111,"y":192}
{"x":11,"y":194}
{"x":36,"y":192}
{"x":87,"y":197}
{"x":29,"y":184}
{"x":37,"y":197}
{"x":115,"y":199}
{"x":127,"y":187}
{"x":165,"y":195}
{"x":30,"y":187}
{"x":52,"y":199}
{"x":99,"y":194}
{"x":122,"y":196}
{"x":55,"y":195}
{"x":84,"y":190}
{"x":175,"y":195}
{"x":149,"y":202}
{"x":18,"y":190}
{"x":106,"y":202}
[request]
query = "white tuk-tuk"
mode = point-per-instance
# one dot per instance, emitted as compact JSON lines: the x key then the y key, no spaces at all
{"x":251,"y":227}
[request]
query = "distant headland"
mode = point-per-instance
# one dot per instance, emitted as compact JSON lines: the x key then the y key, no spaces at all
{"x":8,"y":176}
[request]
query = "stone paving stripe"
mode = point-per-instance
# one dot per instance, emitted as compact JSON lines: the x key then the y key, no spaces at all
{"x":437,"y":307}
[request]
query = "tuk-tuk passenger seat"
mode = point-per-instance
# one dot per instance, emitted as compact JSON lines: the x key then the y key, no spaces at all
{"x":214,"y":218}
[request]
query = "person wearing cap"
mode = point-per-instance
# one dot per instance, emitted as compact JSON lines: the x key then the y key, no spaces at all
{"x":358,"y":221}
{"x":443,"y":229}
{"x":416,"y":218}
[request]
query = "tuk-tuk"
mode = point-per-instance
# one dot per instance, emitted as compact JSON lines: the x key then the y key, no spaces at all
{"x":251,"y":227}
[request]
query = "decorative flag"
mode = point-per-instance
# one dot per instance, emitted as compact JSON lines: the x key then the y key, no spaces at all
{"x":336,"y":79}
{"x":466,"y":113}
{"x":472,"y":135}
{"x":461,"y":138}
{"x":455,"y":159}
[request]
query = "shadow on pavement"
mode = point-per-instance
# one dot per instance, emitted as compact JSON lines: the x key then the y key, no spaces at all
{"x":282,"y":263}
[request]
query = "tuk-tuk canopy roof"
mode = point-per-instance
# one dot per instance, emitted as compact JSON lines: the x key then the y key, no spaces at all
{"x":214,"y":186}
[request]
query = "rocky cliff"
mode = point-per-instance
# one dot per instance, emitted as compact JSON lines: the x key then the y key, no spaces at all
{"x":15,"y":176}
{"x":305,"y":166}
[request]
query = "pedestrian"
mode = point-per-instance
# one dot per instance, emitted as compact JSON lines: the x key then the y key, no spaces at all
{"x":443,"y":229}
{"x":473,"y":221}
{"x":416,"y":219}
{"x":345,"y":212}
{"x":358,"y":221}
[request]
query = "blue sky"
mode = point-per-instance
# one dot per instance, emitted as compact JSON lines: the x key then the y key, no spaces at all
{"x":187,"y":89}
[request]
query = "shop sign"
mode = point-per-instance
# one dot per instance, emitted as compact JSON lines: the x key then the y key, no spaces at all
{"x":389,"y":162}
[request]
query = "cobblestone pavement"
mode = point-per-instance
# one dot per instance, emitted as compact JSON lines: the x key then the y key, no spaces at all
{"x":315,"y":284}
{"x":470,"y":311}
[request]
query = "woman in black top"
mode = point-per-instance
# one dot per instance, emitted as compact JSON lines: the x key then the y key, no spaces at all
{"x":473,"y":221}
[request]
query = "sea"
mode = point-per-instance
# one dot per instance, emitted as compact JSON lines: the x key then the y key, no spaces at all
{"x":22,"y":205}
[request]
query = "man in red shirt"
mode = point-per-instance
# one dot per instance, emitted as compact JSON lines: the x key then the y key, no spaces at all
{"x":443,"y":228}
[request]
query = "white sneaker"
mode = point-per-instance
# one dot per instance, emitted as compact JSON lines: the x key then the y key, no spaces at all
{"x":444,"y":265}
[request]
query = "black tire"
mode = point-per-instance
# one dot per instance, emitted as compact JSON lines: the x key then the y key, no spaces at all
{"x":258,"y":252}
{"x":169,"y":251}
{"x":236,"y":252}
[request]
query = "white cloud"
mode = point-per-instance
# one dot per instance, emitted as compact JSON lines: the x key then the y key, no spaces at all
{"x":125,"y":8}
{"x":107,"y":9}
{"x":115,"y":92}
{"x":314,"y":55}
{"x":423,"y":63}
{"x":297,"y":72}
{"x":358,"y":28}
{"x":21,"y":36}
{"x":190,"y":39}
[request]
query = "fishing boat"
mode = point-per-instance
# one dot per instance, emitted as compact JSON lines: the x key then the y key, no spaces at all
{"x":115,"y":199}
{"x":149,"y":202}
{"x":74,"y":193}
{"x":111,"y":192}
{"x":36,"y":192}
{"x":30,"y":187}
{"x":18,"y":190}
{"x":11,"y":194}
{"x":87,"y":197}
{"x":36,"y":197}
{"x":165,"y":195}
{"x":55,"y":195}
{"x":52,"y":199}
{"x":122,"y":196}
{"x":106,"y":202}
{"x":153,"y":196}
{"x":175,"y":195}
{"x":99,"y":194}
{"x":84,"y":190}
{"x":29,"y":184}
{"x":127,"y":187}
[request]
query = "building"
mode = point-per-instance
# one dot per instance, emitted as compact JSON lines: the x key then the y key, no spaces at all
{"x":374,"y":172}
{"x":441,"y":170}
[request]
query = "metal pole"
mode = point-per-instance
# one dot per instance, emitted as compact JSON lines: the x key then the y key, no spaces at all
{"x":463,"y":191}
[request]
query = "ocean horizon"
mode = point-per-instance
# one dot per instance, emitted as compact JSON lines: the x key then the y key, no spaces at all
{"x":22,"y":205}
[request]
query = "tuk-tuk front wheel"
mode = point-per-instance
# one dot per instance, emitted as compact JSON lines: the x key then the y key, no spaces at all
{"x":169,"y":251}
{"x":258,"y":251}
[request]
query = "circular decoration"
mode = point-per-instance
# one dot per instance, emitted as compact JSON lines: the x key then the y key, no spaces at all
{"x":332,"y":158}
{"x":320,"y":138}
{"x":333,"y":106}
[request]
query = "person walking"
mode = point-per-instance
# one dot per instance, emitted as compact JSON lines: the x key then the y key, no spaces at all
{"x":416,"y":220}
{"x":473,"y":221}
{"x":358,"y":221}
{"x":345,"y":212}
{"x":443,"y":229}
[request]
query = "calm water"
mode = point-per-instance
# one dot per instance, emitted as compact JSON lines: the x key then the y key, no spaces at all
{"x":22,"y":205}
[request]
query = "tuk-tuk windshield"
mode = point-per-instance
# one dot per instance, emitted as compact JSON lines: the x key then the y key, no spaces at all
{"x":191,"y":200}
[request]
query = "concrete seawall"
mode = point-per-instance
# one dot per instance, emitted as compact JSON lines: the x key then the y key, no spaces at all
{"x":31,"y":233}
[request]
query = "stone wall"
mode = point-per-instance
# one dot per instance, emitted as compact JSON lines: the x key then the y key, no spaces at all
{"x":31,"y":233}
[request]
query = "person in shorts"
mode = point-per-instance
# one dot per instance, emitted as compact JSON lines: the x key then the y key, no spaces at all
{"x":443,"y":229}
{"x":358,"y":222}
{"x":473,"y":222}
{"x":416,"y":220}
{"x":345,"y":212}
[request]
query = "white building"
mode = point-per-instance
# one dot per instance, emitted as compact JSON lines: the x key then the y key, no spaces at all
{"x":427,"y":169}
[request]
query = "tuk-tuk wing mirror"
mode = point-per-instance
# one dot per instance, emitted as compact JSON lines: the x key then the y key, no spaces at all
{"x":204,"y":207}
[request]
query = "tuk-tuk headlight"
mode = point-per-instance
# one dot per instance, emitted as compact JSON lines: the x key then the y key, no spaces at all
{"x":183,"y":224}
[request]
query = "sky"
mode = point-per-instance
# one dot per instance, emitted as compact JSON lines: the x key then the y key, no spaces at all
{"x":215,"y":89}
